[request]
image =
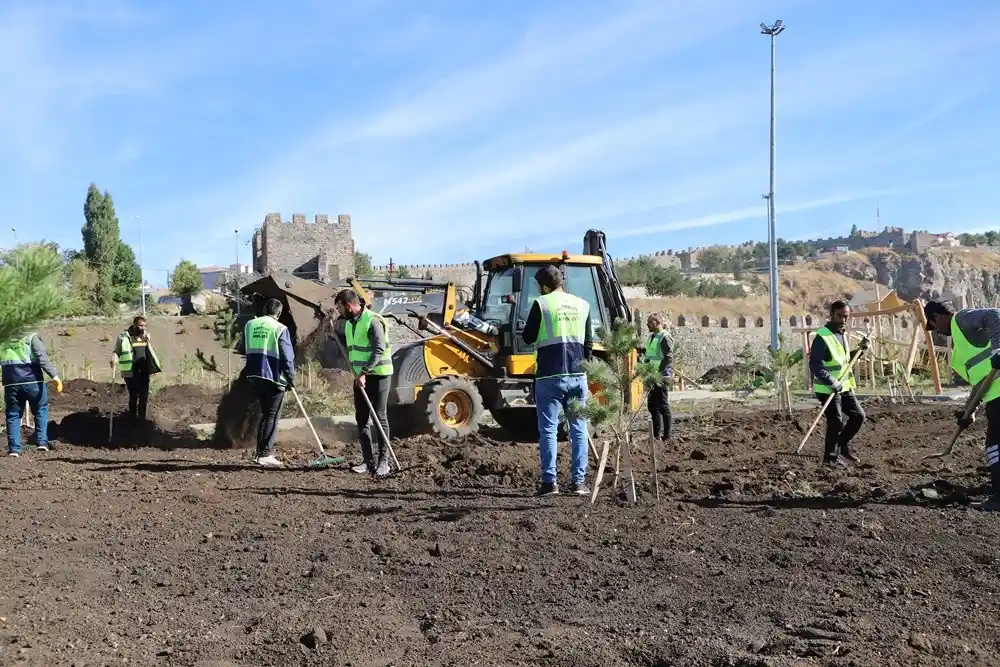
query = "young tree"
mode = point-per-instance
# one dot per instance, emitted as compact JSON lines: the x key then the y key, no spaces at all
{"x":126,"y":276}
{"x":31,"y":289}
{"x":186,"y":280}
{"x":362,"y":264}
{"x":403,"y":271}
{"x":81,"y":285}
{"x":100,"y":242}
{"x":608,"y":410}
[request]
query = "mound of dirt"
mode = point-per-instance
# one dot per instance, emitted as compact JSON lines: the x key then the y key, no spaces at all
{"x":184,"y":404}
{"x":172,"y":405}
{"x":237,"y":417}
{"x":93,"y":428}
{"x":80,"y":395}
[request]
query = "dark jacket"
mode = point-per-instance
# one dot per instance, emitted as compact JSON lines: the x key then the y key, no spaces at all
{"x":820,"y":353}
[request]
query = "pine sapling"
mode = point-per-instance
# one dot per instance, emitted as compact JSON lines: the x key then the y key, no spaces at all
{"x":608,"y":409}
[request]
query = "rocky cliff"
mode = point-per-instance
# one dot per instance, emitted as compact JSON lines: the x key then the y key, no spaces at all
{"x":949,"y":273}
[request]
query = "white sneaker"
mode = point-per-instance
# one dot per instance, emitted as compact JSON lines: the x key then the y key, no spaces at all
{"x":42,"y":448}
{"x":14,"y":454}
{"x":270,"y":462}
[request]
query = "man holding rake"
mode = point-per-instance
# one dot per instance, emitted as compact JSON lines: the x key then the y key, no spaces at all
{"x":975,"y":334}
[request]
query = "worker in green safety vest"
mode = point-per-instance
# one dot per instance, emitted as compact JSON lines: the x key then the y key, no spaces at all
{"x":369,"y":354}
{"x":270,"y":371}
{"x":659,"y":351}
{"x":560,"y":324}
{"x":137,"y":362}
{"x":975,"y":352}
{"x":829,"y":359}
{"x":24,"y":363}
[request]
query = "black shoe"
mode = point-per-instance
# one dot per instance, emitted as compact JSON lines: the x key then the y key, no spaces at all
{"x":547,"y":489}
{"x":580,"y":489}
{"x":834,"y":462}
{"x":850,"y":458}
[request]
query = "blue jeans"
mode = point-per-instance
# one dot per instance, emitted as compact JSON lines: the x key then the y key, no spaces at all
{"x":37,"y":397}
{"x":551,"y":396}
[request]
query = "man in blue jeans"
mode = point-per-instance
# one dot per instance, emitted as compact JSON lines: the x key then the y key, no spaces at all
{"x":560,"y":325}
{"x":22,"y":362}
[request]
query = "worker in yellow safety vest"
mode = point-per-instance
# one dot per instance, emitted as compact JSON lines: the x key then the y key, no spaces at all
{"x":829,"y":359}
{"x":369,"y":355}
{"x":560,"y":324}
{"x":975,"y":352}
{"x":24,"y":363}
{"x":659,"y":351}
{"x":137,"y":362}
{"x":270,"y":371}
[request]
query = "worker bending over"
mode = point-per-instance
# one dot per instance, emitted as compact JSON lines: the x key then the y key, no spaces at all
{"x":659,"y":351}
{"x":370,"y":357}
{"x":560,"y":325}
{"x":829,"y":361}
{"x":270,"y":370}
{"x":975,"y":334}
{"x":137,"y":362}
{"x":23,"y":362}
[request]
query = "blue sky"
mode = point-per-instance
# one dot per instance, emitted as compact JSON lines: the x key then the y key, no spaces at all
{"x":452,"y":130}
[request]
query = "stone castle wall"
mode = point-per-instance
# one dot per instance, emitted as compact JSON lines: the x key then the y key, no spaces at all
{"x":318,"y":249}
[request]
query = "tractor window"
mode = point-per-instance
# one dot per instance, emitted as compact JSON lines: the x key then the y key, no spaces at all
{"x":579,"y":282}
{"x":499,"y":286}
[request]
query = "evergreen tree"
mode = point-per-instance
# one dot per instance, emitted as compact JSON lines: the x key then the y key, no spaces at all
{"x":31,"y":289}
{"x":186,"y":279}
{"x":100,"y":242}
{"x":362,"y":264}
{"x":126,"y":276}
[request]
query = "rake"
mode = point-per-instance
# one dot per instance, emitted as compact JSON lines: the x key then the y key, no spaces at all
{"x":324,"y":459}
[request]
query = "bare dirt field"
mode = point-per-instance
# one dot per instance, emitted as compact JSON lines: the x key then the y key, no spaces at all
{"x":191,"y":556}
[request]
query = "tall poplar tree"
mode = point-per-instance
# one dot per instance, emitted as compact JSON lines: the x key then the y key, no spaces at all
{"x":100,"y":242}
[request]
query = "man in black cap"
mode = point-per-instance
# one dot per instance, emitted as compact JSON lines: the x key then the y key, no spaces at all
{"x":975,"y":334}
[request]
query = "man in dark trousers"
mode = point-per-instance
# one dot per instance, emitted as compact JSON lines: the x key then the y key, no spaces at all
{"x":659,"y":350}
{"x":829,"y":359}
{"x":370,"y":357}
{"x":24,"y":363}
{"x":270,"y":370}
{"x":975,"y":334}
{"x":137,"y":362}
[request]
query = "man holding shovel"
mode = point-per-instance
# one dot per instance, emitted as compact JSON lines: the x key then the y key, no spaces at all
{"x":975,"y":334}
{"x":24,"y":363}
{"x":829,"y":363}
{"x":370,"y":357}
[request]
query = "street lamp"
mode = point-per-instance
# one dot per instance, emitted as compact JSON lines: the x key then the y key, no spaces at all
{"x":14,"y":232}
{"x":773,"y":31}
{"x":142,"y":274}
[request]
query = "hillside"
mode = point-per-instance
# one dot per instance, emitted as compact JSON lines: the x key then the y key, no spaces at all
{"x":810,"y":286}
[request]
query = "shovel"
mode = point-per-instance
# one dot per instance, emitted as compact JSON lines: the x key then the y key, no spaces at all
{"x":970,"y":408}
{"x":857,"y":355}
{"x":324,"y":458}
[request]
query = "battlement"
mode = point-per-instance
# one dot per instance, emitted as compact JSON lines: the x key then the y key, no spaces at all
{"x":300,"y":219}
{"x":421,"y":267}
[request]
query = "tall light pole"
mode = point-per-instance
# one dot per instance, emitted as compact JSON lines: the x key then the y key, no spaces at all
{"x":142,"y":273}
{"x":236,"y":235}
{"x":13,"y":230}
{"x":773,"y":31}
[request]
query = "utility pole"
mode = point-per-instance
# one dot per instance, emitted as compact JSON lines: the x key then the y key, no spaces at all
{"x":236,"y":234}
{"x":773,"y":31}
{"x":142,"y":273}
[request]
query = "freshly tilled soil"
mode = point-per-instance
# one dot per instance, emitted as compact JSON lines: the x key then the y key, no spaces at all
{"x":752,"y":556}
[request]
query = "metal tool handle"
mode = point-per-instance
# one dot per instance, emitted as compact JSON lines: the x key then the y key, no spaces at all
{"x":378,"y":425}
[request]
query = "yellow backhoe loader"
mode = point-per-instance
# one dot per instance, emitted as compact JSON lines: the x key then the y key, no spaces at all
{"x":471,"y":358}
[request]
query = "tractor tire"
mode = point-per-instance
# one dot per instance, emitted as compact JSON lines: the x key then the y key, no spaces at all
{"x":452,"y":407}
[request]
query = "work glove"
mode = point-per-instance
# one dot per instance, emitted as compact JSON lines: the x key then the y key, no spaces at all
{"x":863,"y":345}
{"x":837,"y":387}
{"x":289,"y":383}
{"x":995,"y":360}
{"x":58,"y":383}
{"x":668,"y":373}
{"x":961,"y":420}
